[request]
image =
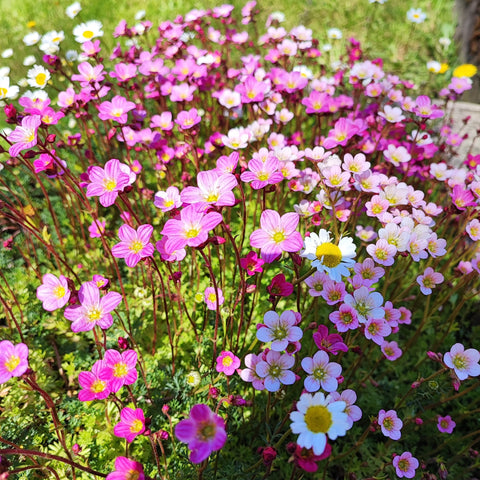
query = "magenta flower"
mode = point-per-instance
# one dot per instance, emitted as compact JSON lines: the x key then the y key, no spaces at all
{"x":105,"y":183}
{"x":276,"y":235}
{"x":132,"y":424}
{"x":13,"y":360}
{"x":460,"y":197}
{"x":25,"y":135}
{"x":171,"y":250}
{"x":391,"y":350}
{"x":203,"y":431}
{"x":93,"y":387}
{"x":405,"y":465}
{"x":135,"y":244}
{"x":330,"y":343}
{"x":168,"y":200}
{"x":116,"y":110}
{"x":120,"y":369}
{"x":465,"y":363}
{"x":211,"y":298}
{"x":445,"y":424}
{"x":126,"y":469}
{"x":88,"y":74}
{"x":251,"y":263}
{"x":187,"y":119}
{"x":54,"y":292}
{"x":345,"y":318}
{"x":376,"y":329}
{"x":274,"y":369}
{"x":390,"y":424}
{"x":343,"y":130}
{"x":322,"y":373}
{"x":213,"y":188}
{"x":251,"y":90}
{"x":280,"y":330}
{"x":93,"y":309}
{"x":279,"y":287}
{"x":227,"y":363}
{"x":429,"y":280}
{"x":193,"y":226}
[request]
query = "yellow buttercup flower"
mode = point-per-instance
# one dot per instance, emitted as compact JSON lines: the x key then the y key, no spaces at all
{"x":465,"y":70}
{"x":31,"y":23}
{"x":443,"y":68}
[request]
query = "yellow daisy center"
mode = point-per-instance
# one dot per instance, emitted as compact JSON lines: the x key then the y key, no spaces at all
{"x":41,"y":78}
{"x":12,"y":363}
{"x":212,"y":297}
{"x":318,"y":419}
{"x":3,"y":92}
{"x":329,"y":254}
{"x":88,"y":34}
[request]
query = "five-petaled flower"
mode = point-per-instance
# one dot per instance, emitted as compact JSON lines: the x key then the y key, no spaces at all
{"x":13,"y":360}
{"x":135,"y":244}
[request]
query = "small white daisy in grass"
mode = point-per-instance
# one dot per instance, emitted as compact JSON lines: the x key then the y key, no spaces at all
{"x":38,"y":76}
{"x":316,"y":418}
{"x":327,"y":257}
{"x":87,"y":31}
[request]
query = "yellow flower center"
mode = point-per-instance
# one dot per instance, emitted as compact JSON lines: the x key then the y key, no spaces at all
{"x":318,"y":419}
{"x":213,"y":197}
{"x":212,"y":297}
{"x":98,"y":386}
{"x":263,"y":176}
{"x":136,"y":246}
{"x":136,"y":426}
{"x":132,"y":475}
{"x":279,"y":237}
{"x":88,"y":34}
{"x":3,"y":92}
{"x":120,"y":370}
{"x":41,"y":78}
{"x":192,"y":233}
{"x":459,"y":362}
{"x":30,"y":136}
{"x":58,"y":291}
{"x":227,"y":361}
{"x":388,"y":423}
{"x":109,"y":184}
{"x":168,"y":203}
{"x":329,"y":254}
{"x":12,"y":363}
{"x":404,"y":465}
{"x":94,"y":314}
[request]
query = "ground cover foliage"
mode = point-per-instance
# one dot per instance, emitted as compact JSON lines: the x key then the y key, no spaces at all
{"x":232,"y":251}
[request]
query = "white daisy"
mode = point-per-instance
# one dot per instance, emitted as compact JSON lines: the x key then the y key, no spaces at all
{"x":31,"y":38}
{"x":7,"y":90}
{"x":73,"y":10}
{"x":29,"y":60}
{"x":327,"y":257}
{"x":7,"y":53}
{"x":316,"y":418}
{"x":87,"y":31}
{"x":38,"y":76}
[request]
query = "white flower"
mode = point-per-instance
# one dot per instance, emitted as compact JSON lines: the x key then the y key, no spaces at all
{"x":434,"y":66}
{"x":7,"y":53}
{"x":7,"y":91}
{"x":444,"y":42}
{"x":29,"y":60}
{"x":315,"y":419}
{"x":327,"y":257}
{"x":71,"y":55}
{"x":140,"y":15}
{"x":87,"y":31}
{"x":51,"y":42}
{"x":416,"y":15}
{"x":31,"y":38}
{"x":278,"y":16}
{"x":334,"y":34}
{"x":73,"y":10}
{"x":38,"y":76}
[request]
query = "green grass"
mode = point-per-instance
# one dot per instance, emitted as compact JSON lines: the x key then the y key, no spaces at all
{"x":383,"y":29}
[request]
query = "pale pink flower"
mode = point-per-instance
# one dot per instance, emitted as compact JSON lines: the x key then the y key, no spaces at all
{"x":390,"y":424}
{"x":135,"y":244}
{"x":345,"y":318}
{"x":54,"y":292}
{"x":88,"y":74}
{"x":249,"y":373}
{"x":392,"y":114}
{"x":116,"y":110}
{"x":405,"y":465}
{"x":349,"y":397}
{"x":93,"y":309}
{"x":391,"y":350}
{"x":367,"y":304}
{"x":276,"y":234}
{"x":445,"y":424}
{"x":213,"y":188}
{"x":376,"y":329}
{"x":213,"y":298}
{"x":280,"y":330}
{"x":274,"y":369}
{"x":430,"y":279}
{"x":187,"y":119}
{"x":25,"y":135}
{"x":315,"y":282}
{"x":322,"y":372}
{"x":463,"y":362}
{"x":473,"y":229}
{"x":261,"y":173}
{"x":168,"y":200}
{"x":397,"y":155}
{"x":382,"y":252}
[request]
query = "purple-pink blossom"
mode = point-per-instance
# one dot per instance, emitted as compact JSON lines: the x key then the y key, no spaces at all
{"x":53,"y":292}
{"x":116,"y":110}
{"x":93,"y":387}
{"x":135,"y":244}
{"x":280,"y":330}
{"x":322,"y":372}
{"x":126,"y":469}
{"x":227,"y":363}
{"x":132,"y":424}
{"x":430,"y":279}
{"x":405,"y":465}
{"x":465,"y":363}
{"x":13,"y":360}
{"x":25,"y":135}
{"x":390,"y":424}
{"x":274,"y":369}
{"x":119,"y":369}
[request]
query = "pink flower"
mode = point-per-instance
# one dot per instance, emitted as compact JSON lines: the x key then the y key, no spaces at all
{"x":116,"y":110}
{"x":213,"y":188}
{"x":390,"y":424}
{"x":445,"y":424}
{"x":211,"y":298}
{"x":193,"y":226}
{"x":132,"y":424}
{"x":249,"y":374}
{"x":25,"y":135}
{"x":279,"y":287}
{"x":349,"y":397}
{"x":382,"y":252}
{"x":251,"y":263}
{"x":461,"y":198}
{"x":105,"y":183}
{"x":13,"y":360}
{"x":261,"y":173}
{"x":330,"y":343}
{"x":276,"y":235}
{"x":227,"y":363}
{"x":366,"y":304}
{"x":135,"y":244}
{"x":93,"y":387}
{"x":345,"y":318}
{"x":126,"y":469}
{"x":463,"y":362}
{"x":119,"y":369}
{"x":251,"y":90}
{"x":171,"y":250}
{"x":168,"y":200}
{"x":54,"y":292}
{"x":187,"y":119}
{"x":405,"y":465}
{"x":429,"y":280}
{"x":274,"y":369}
{"x":280,"y":330}
{"x":93,"y":309}
{"x":88,"y":74}
{"x":97,"y":228}
{"x":203,"y":431}
{"x":322,"y":373}
{"x":376,"y":329}
{"x":343,"y":130}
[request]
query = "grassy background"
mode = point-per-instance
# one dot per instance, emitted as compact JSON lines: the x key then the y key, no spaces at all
{"x":383,"y":29}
